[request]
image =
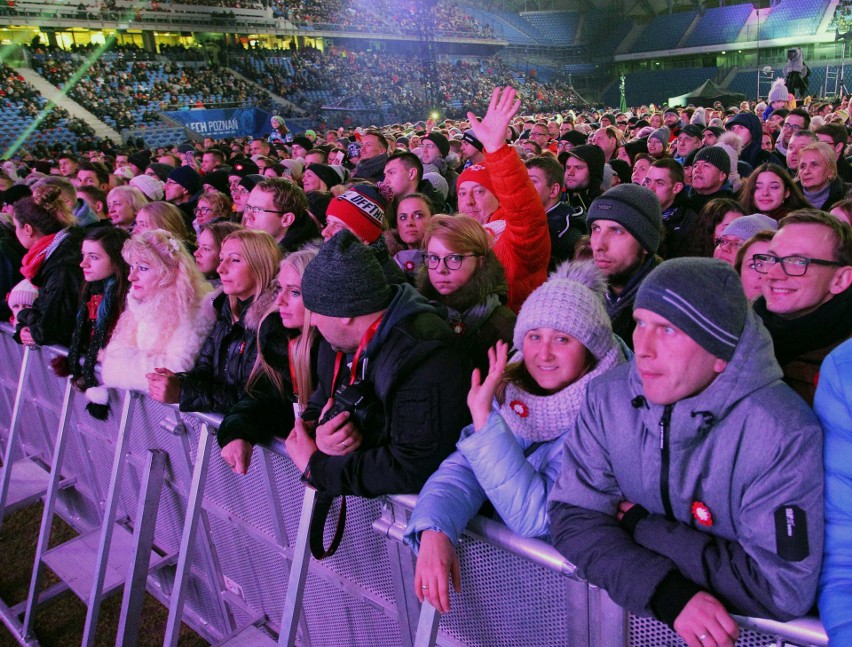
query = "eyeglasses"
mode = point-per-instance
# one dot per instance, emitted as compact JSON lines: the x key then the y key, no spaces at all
{"x":253,"y":209}
{"x":539,"y":134}
{"x":451,"y":261}
{"x":792,"y":265}
{"x":793,"y":127}
{"x":725,"y":243}
{"x":203,"y":211}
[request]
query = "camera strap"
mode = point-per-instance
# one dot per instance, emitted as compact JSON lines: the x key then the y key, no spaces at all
{"x":362,"y":345}
{"x":317,"y":529}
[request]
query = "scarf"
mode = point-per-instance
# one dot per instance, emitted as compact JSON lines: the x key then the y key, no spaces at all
{"x":538,"y":418}
{"x":35,"y":256}
{"x":827,"y":325}
{"x":620,"y":307}
{"x":817,"y":198}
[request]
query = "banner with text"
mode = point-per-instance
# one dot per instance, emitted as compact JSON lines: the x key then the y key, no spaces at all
{"x":224,"y":122}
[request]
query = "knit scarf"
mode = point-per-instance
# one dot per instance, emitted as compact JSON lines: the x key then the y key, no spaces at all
{"x":538,"y":418}
{"x":618,"y":307}
{"x":370,"y":169}
{"x":96,"y":318}
{"x":817,"y":198}
{"x":35,"y":256}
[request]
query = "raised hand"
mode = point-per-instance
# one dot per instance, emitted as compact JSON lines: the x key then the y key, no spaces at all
{"x":491,"y":130}
{"x":481,"y":394}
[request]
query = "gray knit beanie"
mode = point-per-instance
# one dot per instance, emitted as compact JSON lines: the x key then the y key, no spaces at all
{"x":663,"y":134}
{"x":634,"y":207}
{"x":572,"y":301}
{"x":703,"y":297}
{"x":745,"y":227}
{"x":345,"y":279}
{"x":717,"y":156}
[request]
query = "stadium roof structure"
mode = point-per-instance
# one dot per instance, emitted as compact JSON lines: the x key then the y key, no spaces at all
{"x":647,"y":8}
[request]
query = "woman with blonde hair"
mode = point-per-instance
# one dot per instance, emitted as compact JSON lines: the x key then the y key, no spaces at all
{"x":168,"y":313}
{"x":462,"y":273}
{"x":249,"y":261}
{"x":164,"y":215}
{"x":123,"y":203}
{"x":283,"y":376}
{"x":818,"y":177}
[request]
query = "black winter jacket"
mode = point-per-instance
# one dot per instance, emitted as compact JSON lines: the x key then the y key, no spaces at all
{"x":420,"y":382}
{"x":52,"y":317}
{"x":218,"y":379}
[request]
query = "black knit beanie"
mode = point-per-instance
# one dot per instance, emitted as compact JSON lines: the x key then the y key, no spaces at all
{"x":345,"y":279}
{"x":635,"y":208}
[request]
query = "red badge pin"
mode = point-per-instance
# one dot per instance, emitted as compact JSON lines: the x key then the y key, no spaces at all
{"x":459,"y":328}
{"x":519,"y":408}
{"x":702,"y":514}
{"x":409,"y":266}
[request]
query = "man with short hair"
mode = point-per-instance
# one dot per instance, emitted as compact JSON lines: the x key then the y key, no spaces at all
{"x":710,"y":173}
{"x":68,"y":165}
{"x":540,"y":135}
{"x":798,"y":141}
{"x":404,"y":175}
{"x":280,"y":208}
{"x":392,"y":346}
{"x":626,"y":231}
{"x":607,"y":140}
{"x":688,"y":140}
{"x":835,"y":135}
{"x":565,"y":227}
{"x":96,"y":199}
{"x":692,"y":483}
{"x":795,"y":121}
{"x":665,"y":178}
{"x":471,"y":149}
{"x":259,"y":146}
{"x":807,"y":300}
{"x":374,"y":155}
{"x":211,"y":160}
{"x":93,"y":174}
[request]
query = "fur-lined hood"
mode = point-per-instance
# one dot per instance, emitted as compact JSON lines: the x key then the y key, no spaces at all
{"x":489,"y":279}
{"x":254,"y":314}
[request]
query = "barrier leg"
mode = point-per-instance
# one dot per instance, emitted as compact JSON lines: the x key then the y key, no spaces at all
{"x":298,"y":572}
{"x":608,"y":622}
{"x":427,"y":627}
{"x":12,"y":439}
{"x":49,"y":507}
{"x":143,"y":540}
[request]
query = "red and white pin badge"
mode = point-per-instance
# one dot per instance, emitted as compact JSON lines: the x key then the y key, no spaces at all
{"x":519,"y":408}
{"x":702,"y":514}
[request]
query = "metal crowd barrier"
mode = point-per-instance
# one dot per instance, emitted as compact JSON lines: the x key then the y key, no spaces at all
{"x":229,"y":554}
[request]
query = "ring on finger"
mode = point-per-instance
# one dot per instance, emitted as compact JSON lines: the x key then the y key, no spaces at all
{"x":702,"y":637}
{"x":425,"y":587}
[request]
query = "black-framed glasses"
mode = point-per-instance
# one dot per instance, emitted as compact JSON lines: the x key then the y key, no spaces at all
{"x":253,"y":209}
{"x":792,"y":265}
{"x":725,"y":243}
{"x":203,"y":211}
{"x":451,"y":261}
{"x":793,"y":127}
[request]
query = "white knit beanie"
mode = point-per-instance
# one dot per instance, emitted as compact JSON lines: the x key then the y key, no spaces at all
{"x":572,"y":301}
{"x":778,"y":91}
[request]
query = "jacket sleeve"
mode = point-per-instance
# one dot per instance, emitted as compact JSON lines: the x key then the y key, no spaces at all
{"x":450,"y":499}
{"x":52,"y":316}
{"x":583,"y":524}
{"x":256,"y":418}
{"x":771,"y":569}
{"x":426,"y":412}
{"x":524,"y":246}
{"x":516,"y":488}
{"x":833,"y":405}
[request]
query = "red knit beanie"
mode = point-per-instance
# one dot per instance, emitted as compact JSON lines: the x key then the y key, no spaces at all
{"x":476,"y":173}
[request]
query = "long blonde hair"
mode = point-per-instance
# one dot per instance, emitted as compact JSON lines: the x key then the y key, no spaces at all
{"x":261,"y":254}
{"x":299,"y":355}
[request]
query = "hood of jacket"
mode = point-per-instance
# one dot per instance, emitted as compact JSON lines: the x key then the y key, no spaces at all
{"x":406,"y":302}
{"x":489,"y":279}
{"x":752,"y":367}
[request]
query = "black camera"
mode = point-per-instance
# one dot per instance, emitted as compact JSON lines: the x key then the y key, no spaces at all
{"x":357,"y":399}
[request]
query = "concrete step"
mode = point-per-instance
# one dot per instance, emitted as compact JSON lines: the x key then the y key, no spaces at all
{"x":52,"y":93}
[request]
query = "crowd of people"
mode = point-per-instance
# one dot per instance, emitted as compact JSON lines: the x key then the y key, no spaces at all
{"x":628,"y":332}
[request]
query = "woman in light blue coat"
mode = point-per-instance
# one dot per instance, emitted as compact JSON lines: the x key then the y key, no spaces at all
{"x":512,"y":453}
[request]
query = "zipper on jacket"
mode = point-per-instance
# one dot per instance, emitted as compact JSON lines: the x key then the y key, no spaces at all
{"x":665,"y":421}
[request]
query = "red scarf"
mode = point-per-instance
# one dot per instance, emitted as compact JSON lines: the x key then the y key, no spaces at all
{"x":31,"y":263}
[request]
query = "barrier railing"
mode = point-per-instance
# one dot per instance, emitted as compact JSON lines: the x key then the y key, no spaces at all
{"x":239,"y":569}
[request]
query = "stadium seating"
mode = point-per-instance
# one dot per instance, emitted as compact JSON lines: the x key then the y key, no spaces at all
{"x":792,"y":18}
{"x":719,"y":25}
{"x":560,"y":27}
{"x":663,"y":32}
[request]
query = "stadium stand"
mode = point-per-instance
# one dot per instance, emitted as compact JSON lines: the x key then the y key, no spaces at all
{"x":560,"y":27}
{"x":718,"y":25}
{"x":791,"y":18}
{"x":663,"y":32}
{"x":658,"y":85}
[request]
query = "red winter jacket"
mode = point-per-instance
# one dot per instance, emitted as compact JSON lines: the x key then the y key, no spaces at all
{"x":523,"y":247}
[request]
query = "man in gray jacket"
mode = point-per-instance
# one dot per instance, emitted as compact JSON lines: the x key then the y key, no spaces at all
{"x":692,"y":484}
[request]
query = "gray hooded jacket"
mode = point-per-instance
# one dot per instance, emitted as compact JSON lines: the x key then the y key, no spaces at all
{"x":744,"y":456}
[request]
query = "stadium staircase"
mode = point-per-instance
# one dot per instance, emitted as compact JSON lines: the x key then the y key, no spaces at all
{"x":52,"y":93}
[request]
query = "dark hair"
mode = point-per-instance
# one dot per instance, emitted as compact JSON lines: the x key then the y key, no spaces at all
{"x":796,"y":199}
{"x":97,"y":168}
{"x":97,"y":194}
{"x":219,"y":155}
{"x":286,"y":196}
{"x":395,"y":206}
{"x":378,"y":135}
{"x":45,"y":211}
{"x":319,"y":151}
{"x":837,"y":132}
{"x":675,"y":170}
{"x":841,"y":231}
{"x":711,"y":214}
{"x":409,"y":161}
{"x":801,"y":112}
{"x":761,"y":236}
{"x":112,"y":240}
{"x":553,"y":172}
